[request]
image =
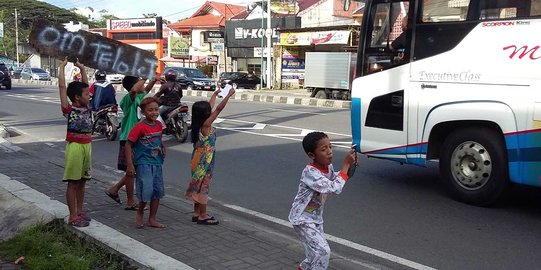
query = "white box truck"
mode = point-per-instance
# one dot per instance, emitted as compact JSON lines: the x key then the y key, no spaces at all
{"x":329,"y":74}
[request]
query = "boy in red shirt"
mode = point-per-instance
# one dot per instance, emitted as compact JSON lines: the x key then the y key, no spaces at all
{"x":145,"y":161}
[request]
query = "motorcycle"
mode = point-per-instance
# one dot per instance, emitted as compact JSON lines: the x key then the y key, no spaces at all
{"x":105,"y":121}
{"x":177,"y":123}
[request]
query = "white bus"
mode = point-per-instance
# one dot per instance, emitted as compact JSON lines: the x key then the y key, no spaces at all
{"x":461,"y":85}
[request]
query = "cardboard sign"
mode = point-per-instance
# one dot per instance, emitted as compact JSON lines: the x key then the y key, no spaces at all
{"x":92,"y":50}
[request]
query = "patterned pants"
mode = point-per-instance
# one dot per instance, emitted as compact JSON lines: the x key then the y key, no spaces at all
{"x":316,"y":248}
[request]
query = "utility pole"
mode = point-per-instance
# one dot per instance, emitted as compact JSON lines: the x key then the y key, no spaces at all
{"x":269,"y":45}
{"x":17,"y":37}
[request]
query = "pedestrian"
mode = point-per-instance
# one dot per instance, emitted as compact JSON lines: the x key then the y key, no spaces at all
{"x":204,"y":140}
{"x":128,"y":104}
{"x":78,"y":161}
{"x":144,"y":158}
{"x":318,"y":179}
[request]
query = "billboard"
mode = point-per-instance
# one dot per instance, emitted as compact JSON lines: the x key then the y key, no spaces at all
{"x":287,"y":7}
{"x":179,"y":47}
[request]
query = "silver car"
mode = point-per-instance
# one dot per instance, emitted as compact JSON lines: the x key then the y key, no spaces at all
{"x":33,"y":73}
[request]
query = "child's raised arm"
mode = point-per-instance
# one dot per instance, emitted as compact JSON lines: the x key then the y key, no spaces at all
{"x":151,"y":84}
{"x":217,"y":111}
{"x":81,"y":67}
{"x":63,"y":91}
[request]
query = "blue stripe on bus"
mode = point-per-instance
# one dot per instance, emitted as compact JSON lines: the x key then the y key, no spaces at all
{"x":356,"y":122}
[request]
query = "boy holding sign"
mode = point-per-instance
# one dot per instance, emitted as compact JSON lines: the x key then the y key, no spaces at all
{"x":78,"y":162}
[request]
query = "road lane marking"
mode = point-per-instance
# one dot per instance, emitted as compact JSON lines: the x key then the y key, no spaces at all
{"x":338,"y":240}
{"x":303,"y":131}
{"x":294,"y":111}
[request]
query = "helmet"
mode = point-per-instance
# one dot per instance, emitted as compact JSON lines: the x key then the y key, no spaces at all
{"x":100,"y":75}
{"x":170,"y":75}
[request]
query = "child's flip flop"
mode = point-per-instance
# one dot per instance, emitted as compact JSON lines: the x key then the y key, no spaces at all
{"x":115,"y":197}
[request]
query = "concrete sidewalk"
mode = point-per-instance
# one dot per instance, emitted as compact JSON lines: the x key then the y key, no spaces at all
{"x":241,"y":241}
{"x":294,"y":96}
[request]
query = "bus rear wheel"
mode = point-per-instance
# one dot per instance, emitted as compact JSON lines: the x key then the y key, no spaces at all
{"x":473,"y":166}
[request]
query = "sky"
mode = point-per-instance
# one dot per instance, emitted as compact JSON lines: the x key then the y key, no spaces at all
{"x":172,"y":10}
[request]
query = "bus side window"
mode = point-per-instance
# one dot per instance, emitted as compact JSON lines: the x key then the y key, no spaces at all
{"x":507,"y":9}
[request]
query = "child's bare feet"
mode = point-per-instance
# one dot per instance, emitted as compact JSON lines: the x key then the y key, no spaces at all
{"x":155,"y":224}
{"x":139,"y":219}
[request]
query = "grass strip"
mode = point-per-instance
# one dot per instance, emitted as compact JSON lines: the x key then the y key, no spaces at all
{"x":53,"y":246}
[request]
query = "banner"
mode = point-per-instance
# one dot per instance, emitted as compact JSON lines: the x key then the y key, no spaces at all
{"x":295,"y":64}
{"x":92,"y":50}
{"x":296,"y":39}
{"x":330,"y":37}
{"x":316,"y":38}
{"x":179,"y":47}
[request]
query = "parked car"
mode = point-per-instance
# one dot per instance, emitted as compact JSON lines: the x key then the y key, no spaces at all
{"x":5,"y":79}
{"x":242,"y":80}
{"x":17,"y":73}
{"x":225,"y":75}
{"x":33,"y":73}
{"x":192,"y":78}
{"x":114,"y":78}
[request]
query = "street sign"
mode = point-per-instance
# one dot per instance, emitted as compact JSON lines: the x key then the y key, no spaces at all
{"x":92,"y":50}
{"x":1,"y":30}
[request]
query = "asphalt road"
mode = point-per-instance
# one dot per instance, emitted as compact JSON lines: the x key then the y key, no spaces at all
{"x":400,"y":210}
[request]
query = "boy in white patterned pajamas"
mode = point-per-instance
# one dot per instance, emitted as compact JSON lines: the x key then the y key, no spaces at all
{"x":317,"y":181}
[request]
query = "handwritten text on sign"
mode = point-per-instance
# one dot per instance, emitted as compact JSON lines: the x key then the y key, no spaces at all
{"x":92,"y":50}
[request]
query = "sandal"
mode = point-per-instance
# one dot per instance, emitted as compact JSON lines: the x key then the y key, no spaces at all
{"x":84,"y":216}
{"x":79,"y":222}
{"x":115,"y":197}
{"x":131,"y":208}
{"x":139,"y":226}
{"x":196,"y":218}
{"x":208,"y":221}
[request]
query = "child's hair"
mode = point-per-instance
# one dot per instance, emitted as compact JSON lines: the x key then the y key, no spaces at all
{"x":309,"y":142}
{"x":128,"y":82}
{"x":75,"y":88}
{"x":201,"y":110}
{"x":147,"y":101}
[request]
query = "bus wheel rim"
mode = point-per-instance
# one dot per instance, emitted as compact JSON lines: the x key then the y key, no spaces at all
{"x":471,"y":165}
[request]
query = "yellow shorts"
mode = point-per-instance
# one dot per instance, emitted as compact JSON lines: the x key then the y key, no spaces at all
{"x":78,"y":163}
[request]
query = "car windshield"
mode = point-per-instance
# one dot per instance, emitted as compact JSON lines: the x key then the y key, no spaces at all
{"x":38,"y":70}
{"x":195,"y":73}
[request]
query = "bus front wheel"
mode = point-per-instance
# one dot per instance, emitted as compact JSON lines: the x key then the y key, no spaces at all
{"x":473,"y":166}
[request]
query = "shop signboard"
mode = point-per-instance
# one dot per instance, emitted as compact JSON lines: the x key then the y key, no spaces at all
{"x":217,"y":46}
{"x":212,"y":60}
{"x":134,"y":24}
{"x":295,"y":64}
{"x":258,"y":51}
{"x":92,"y":50}
{"x":213,"y":36}
{"x":179,"y":47}
{"x":250,"y":34}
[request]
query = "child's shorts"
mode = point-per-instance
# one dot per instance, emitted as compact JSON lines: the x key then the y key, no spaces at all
{"x":121,"y":161}
{"x":78,"y":163}
{"x":149,"y":182}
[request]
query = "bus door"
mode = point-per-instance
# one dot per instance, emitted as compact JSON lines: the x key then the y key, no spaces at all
{"x":385,"y":79}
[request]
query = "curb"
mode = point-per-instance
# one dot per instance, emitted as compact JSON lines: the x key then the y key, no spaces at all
{"x":133,"y":250}
{"x":263,"y":96}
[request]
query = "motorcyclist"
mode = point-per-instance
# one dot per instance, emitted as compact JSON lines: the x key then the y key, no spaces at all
{"x":101,"y":92}
{"x":169,"y":94}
